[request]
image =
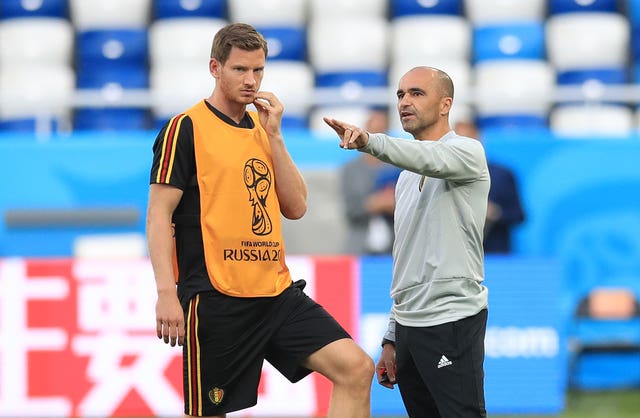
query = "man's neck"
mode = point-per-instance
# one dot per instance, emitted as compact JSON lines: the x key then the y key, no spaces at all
{"x":235,"y":111}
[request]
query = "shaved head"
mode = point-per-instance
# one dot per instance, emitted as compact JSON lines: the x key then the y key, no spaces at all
{"x":444,"y":84}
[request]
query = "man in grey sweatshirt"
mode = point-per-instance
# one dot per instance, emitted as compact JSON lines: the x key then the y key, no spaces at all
{"x":434,"y":345}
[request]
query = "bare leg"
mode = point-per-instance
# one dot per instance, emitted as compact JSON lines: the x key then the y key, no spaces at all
{"x":350,"y":370}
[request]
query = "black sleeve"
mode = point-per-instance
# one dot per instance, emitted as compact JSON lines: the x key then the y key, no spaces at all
{"x":174,"y":160}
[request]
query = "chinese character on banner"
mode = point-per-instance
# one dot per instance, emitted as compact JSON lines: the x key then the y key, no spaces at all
{"x":77,"y":338}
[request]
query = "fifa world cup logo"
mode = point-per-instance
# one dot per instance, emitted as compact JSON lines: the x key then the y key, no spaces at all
{"x":257,"y":178}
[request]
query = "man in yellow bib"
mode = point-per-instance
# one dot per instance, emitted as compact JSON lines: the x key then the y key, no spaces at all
{"x":220,"y":181}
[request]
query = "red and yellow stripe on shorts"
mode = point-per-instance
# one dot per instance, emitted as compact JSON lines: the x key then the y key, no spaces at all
{"x":193,"y":396}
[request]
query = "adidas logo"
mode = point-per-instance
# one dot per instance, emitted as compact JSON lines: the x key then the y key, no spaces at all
{"x":444,"y":361}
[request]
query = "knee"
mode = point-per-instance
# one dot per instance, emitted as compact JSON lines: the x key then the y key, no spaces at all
{"x":360,"y":371}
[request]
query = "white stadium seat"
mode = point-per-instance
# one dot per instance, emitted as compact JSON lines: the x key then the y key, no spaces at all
{"x":587,"y":40}
{"x":514,"y":87}
{"x":175,"y":88}
{"x":39,"y":90}
{"x":482,"y":12}
{"x":425,"y":37}
{"x":589,"y":120}
{"x":354,"y":114}
{"x":36,"y":41}
{"x":182,"y":40}
{"x":109,"y":14}
{"x":269,"y":12}
{"x":292,"y":82}
{"x":338,"y":45}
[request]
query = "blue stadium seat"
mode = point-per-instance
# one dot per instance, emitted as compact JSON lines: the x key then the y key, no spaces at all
{"x":508,"y":41}
{"x":571,"y":6}
{"x":512,"y":121}
{"x":166,"y":9}
{"x":96,"y":49}
{"x":112,"y":61}
{"x":285,"y":43}
{"x":361,"y":78}
{"x":112,"y":119}
{"x":633,"y":12}
{"x":352,"y":85}
{"x":126,"y":76}
{"x":112,"y":82}
{"x":417,"y":7}
{"x":43,"y":8}
{"x":618,"y":75}
{"x":25,"y":124}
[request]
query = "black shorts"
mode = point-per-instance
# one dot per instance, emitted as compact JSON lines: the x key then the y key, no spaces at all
{"x":440,"y":369}
{"x":228,"y":338}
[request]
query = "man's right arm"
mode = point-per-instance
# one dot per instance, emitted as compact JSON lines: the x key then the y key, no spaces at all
{"x":163,"y":199}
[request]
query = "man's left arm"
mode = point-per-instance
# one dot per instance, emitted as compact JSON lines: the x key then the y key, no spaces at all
{"x":291,"y":188}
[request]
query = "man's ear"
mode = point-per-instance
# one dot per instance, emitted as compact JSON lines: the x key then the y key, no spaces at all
{"x":445,"y":105}
{"x":214,"y":67}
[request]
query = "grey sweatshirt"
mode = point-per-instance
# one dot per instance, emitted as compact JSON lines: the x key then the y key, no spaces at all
{"x":441,"y":204}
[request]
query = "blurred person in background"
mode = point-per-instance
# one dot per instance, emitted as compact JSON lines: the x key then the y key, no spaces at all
{"x":504,"y":209}
{"x":434,"y":344}
{"x":221,"y":179}
{"x":367,"y":187}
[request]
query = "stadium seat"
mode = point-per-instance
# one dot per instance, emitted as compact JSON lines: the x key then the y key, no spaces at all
{"x":10,"y":9}
{"x":329,"y":9}
{"x":269,"y":12}
{"x":489,"y":12}
{"x":285,"y":42}
{"x":587,"y":40}
{"x":572,"y":6}
{"x":355,"y":114}
{"x":618,"y":75}
{"x":112,"y":119}
{"x":111,"y":109}
{"x":423,"y":38}
{"x":353,"y":35}
{"x":175,"y":88}
{"x":633,"y":12}
{"x":591,"y":120}
{"x":36,"y":93}
{"x":112,"y":14}
{"x":513,"y":92}
{"x":523,"y":40}
{"x":182,"y":41}
{"x":350,"y":87}
{"x":292,"y":82}
{"x":419,"y":7}
{"x":98,"y":48}
{"x":125,"y":76}
{"x":167,"y":9}
{"x":36,"y":41}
